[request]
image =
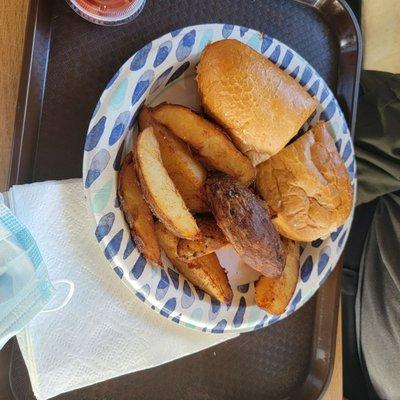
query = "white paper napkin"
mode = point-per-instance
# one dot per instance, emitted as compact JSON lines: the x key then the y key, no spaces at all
{"x":104,"y":331}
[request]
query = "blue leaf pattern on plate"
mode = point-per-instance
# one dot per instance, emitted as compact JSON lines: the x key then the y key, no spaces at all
{"x":347,"y":151}
{"x":162,"y":53}
{"x":294,"y":73}
{"x":335,"y":234}
{"x":139,"y":59}
{"x":324,"y":94}
{"x":169,"y":307}
{"x":214,"y":309}
{"x":93,"y":137}
{"x":200,"y":293}
{"x":104,"y":226}
{"x":316,"y":243}
{"x":119,"y":127}
{"x":306,"y":76}
{"x":142,"y":85}
{"x":345,"y":128}
{"x":163,"y":285}
{"x":177,"y":319}
{"x":238,"y":318}
{"x":97,"y":166}
{"x":113,"y":246}
{"x":323,"y":261}
{"x":117,"y":161}
{"x":219,"y":328}
{"x":295,"y":301}
{"x":133,"y":119}
{"x":275,"y":54}
{"x":119,"y":271}
{"x":306,"y":269}
{"x":137,"y":269}
{"x":314,"y":88}
{"x":181,"y":69}
{"x":174,"y":277}
{"x":340,"y":242}
{"x":187,"y":298}
{"x":243,"y":30}
{"x":244,"y":288}
{"x":274,"y":319}
{"x":338,"y":144}
{"x":160,"y":80}
{"x":130,"y":246}
{"x":261,"y":323}
{"x":330,"y":109}
{"x":227,"y":30}
{"x":287,"y":59}
{"x":176,"y":32}
{"x":185,"y":45}
{"x":266,"y":43}
{"x":351,"y":169}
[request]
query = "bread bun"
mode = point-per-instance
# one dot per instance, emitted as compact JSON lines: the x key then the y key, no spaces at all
{"x":259,"y":105}
{"x":307,"y":187}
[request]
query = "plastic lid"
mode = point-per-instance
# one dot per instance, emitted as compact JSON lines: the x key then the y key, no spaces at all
{"x":107,"y":12}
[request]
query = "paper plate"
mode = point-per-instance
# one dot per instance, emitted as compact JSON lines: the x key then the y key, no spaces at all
{"x":164,"y":70}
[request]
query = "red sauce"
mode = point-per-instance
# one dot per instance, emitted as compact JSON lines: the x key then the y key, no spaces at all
{"x":105,"y":7}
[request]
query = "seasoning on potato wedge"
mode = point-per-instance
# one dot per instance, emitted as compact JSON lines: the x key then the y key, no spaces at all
{"x":185,"y":171}
{"x":274,"y":294}
{"x":242,"y":217}
{"x":211,"y":239}
{"x":137,"y":213}
{"x":205,"y":272}
{"x":207,"y":139}
{"x":159,"y":190}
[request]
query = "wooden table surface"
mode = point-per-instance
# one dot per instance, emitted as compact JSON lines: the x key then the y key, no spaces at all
{"x":385,"y":56}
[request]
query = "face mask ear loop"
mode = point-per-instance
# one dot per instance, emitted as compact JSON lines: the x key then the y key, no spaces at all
{"x":67,"y":298}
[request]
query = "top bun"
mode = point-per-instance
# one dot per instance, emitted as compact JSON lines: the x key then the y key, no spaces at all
{"x":259,"y":105}
{"x":307,"y":187}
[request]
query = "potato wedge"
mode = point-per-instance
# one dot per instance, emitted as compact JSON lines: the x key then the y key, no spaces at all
{"x":137,"y":213}
{"x":204,"y":272}
{"x":212,"y":239}
{"x":246,"y":224}
{"x":159,"y":190}
{"x":274,"y":294}
{"x":207,"y":139}
{"x":185,"y":171}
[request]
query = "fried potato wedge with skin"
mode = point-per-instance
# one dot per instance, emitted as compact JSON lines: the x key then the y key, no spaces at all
{"x":211,"y":239}
{"x":274,"y":294}
{"x":159,"y":190}
{"x":185,"y":171}
{"x":137,"y":213}
{"x":245,"y":221}
{"x":205,"y":272}
{"x":208,"y":139}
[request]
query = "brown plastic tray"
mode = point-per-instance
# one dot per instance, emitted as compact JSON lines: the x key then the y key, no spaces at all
{"x":67,"y":64}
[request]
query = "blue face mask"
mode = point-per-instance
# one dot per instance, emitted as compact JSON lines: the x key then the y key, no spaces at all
{"x":24,"y":283}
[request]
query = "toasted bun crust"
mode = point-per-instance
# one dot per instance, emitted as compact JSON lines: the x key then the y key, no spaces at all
{"x":307,"y":187}
{"x":259,"y":105}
